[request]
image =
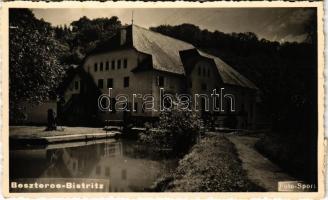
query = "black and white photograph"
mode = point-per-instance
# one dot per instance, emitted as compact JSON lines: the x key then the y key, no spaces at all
{"x":153,"y":100}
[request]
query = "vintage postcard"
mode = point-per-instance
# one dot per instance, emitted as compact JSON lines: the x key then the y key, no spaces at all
{"x":175,"y":99}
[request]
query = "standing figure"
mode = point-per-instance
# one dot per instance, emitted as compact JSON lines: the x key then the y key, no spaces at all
{"x":51,"y":120}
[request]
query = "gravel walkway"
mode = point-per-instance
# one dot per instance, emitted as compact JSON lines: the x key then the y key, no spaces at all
{"x":260,"y":170}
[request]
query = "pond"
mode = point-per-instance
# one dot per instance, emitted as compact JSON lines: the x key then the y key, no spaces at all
{"x":126,"y":165}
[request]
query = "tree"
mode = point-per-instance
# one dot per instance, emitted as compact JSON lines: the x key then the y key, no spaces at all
{"x":84,"y":34}
{"x":98,"y":29}
{"x":34,"y":67}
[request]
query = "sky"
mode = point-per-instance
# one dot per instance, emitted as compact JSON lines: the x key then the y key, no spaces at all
{"x":275,"y":24}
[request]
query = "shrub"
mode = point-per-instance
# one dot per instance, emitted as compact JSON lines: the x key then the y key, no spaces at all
{"x":176,"y":129}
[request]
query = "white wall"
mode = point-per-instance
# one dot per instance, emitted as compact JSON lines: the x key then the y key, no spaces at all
{"x":139,"y":82}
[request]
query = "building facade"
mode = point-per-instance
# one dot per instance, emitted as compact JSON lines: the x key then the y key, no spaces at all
{"x":140,"y":61}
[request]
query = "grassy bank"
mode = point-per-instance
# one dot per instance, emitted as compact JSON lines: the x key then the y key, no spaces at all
{"x":211,"y":166}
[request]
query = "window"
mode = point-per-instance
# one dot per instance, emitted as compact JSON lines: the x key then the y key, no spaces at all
{"x":110,"y":83}
{"x":76,"y":85}
{"x":161,"y":81}
{"x":101,"y":83}
{"x":204,"y":86}
{"x":199,"y":71}
{"x":126,"y":81}
{"x":101,"y":66}
{"x":107,"y":65}
{"x":125,"y":63}
{"x":204,"y":72}
{"x":96,"y":67}
{"x":118,"y":64}
{"x":208,"y":72}
{"x":113,"y":64}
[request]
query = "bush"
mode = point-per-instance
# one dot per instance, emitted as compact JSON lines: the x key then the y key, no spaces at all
{"x":176,"y":129}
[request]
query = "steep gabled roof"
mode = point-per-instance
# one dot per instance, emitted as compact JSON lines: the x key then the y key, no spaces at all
{"x":163,"y":49}
{"x":228,"y":74}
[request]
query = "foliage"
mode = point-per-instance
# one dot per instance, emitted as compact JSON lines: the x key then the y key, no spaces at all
{"x":176,"y":129}
{"x":84,"y":34}
{"x":40,"y":54}
{"x":34,"y":67}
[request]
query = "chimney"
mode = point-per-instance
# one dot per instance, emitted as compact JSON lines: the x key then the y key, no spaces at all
{"x":122,"y":36}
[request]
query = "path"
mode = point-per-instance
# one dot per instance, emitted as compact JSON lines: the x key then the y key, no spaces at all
{"x":260,"y":170}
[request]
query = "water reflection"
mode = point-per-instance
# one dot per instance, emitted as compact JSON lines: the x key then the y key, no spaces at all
{"x":128,"y":166}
